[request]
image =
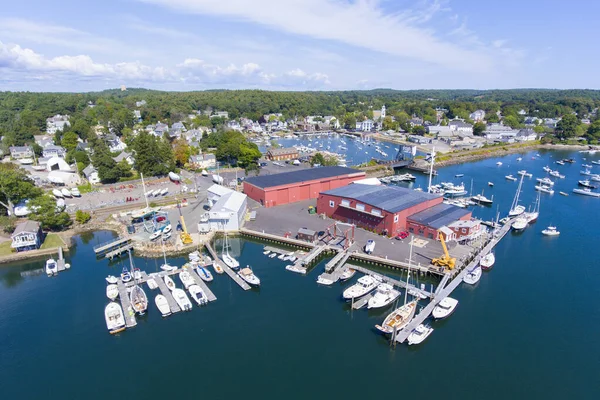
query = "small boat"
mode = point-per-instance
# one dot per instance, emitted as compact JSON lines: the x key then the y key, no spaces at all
{"x":167,"y":229}
{"x":596,"y":162}
{"x":481,"y":199}
{"x":560,"y":162}
{"x":364,"y":285}
{"x":347,"y":274}
{"x":294,"y":268}
{"x":204,"y":274}
{"x":174,"y":177}
{"x":551,"y":231}
{"x":75,"y":192}
{"x":57,"y":193}
{"x":137,"y":274}
{"x":563,"y":193}
{"x":169,"y":282}
{"x":248,"y":275}
{"x":586,"y":192}
{"x":125,"y":275}
{"x":547,"y":169}
{"x":51,"y":267}
{"x":26,"y":161}
{"x":166,"y":236}
{"x":586,"y":171}
{"x":115,"y":320}
{"x":198,"y":295}
{"x":459,"y":175}
{"x":112,"y":291}
{"x":444,"y":308}
{"x":569,"y":160}
{"x":139,"y":300}
{"x":163,"y":305}
{"x":272,"y":255}
{"x":595,"y":178}
{"x":499,"y":163}
{"x":152,"y":284}
{"x":525,"y":173}
{"x":194,"y":256}
{"x":419,"y":334}
{"x":204,"y":172}
{"x":218,"y":269}
{"x":556,"y":174}
{"x":65,"y":192}
{"x":511,"y":178}
{"x":519,"y":159}
{"x":281,"y":257}
{"x":186,"y":279}
{"x":266,"y":252}
{"x":545,"y":181}
{"x":488,"y":261}
{"x":586,"y":165}
{"x":398,"y":318}
{"x":370,"y":246}
{"x":519,"y":223}
{"x":586,"y":183}
{"x":324,"y":281}
{"x":544,"y":189}
{"x":155,"y":235}
{"x":384,"y":296}
{"x":167,"y":267}
{"x":182,"y":300}
{"x":473,"y":276}
{"x":164,"y":192}
{"x":491,"y":184}
{"x":112,"y":279}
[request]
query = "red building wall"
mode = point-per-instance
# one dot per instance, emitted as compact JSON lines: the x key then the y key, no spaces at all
{"x":428,"y":232}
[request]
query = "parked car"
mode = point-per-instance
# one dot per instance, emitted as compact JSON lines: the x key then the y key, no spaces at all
{"x":402,"y":235}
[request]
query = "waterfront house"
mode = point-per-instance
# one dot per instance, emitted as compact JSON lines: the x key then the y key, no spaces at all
{"x":204,"y":161}
{"x":440,"y":131}
{"x":91,"y":174}
{"x":20,"y":152}
{"x":365,"y":125}
{"x":466,"y":229}
{"x":461,"y":127}
{"x":419,"y":139}
{"x":27,"y":236}
{"x":54,"y":151}
{"x":280,"y":154}
{"x":525,"y":135}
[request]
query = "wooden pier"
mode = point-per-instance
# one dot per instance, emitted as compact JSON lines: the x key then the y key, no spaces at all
{"x":110,"y":245}
{"x":118,"y":251}
{"x":164,"y":290}
{"x":236,"y":278}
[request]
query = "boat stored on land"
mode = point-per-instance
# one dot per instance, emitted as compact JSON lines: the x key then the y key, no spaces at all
{"x":370,"y":246}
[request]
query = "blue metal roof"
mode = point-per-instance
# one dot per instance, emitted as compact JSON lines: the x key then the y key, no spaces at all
{"x":439,"y":215}
{"x":389,"y":198}
{"x":302,"y":175}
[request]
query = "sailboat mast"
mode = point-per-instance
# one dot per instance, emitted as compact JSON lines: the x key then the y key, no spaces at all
{"x":431,"y":168}
{"x":144,"y":187}
{"x":408,"y":274}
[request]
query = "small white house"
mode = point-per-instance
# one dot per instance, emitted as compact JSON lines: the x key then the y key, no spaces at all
{"x":91,"y":174}
{"x":526,"y":135}
{"x":19,"y":152}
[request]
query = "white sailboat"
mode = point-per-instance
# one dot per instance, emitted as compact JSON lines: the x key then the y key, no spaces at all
{"x":137,"y":296}
{"x":163,"y":305}
{"x":51,"y":267}
{"x":186,"y":279}
{"x":364,"y":285}
{"x":198,"y":295}
{"x":419,"y":334}
{"x":112,"y":291}
{"x":517,"y":209}
{"x":115,"y":320}
{"x":444,"y":308}
{"x":166,"y":266}
{"x":182,"y":300}
{"x":473,"y":276}
{"x":384,"y":295}
{"x":227,"y":259}
{"x":519,"y":223}
{"x":488,"y":261}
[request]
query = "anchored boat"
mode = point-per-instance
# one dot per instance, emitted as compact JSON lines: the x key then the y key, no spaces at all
{"x":115,"y":320}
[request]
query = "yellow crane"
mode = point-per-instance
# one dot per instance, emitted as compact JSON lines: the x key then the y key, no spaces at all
{"x":185,"y":236}
{"x":445,"y":260}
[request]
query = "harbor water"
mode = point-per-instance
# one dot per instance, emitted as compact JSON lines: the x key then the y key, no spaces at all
{"x":528,"y":329}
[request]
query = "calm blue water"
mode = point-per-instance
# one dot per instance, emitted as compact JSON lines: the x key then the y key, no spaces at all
{"x":529,"y":329}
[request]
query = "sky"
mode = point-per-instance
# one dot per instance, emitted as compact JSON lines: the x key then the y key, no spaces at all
{"x":79,"y":46}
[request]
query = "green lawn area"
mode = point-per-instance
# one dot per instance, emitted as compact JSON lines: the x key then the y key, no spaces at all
{"x":52,"y":241}
{"x":5,"y":248}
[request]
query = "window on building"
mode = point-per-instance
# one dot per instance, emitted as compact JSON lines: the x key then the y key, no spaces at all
{"x":411,"y":230}
{"x":331,"y":203}
{"x":464,"y":230}
{"x":395,"y":218}
{"x":430,"y":236}
{"x":346,"y":203}
{"x":376,"y":212}
{"x":360,"y":207}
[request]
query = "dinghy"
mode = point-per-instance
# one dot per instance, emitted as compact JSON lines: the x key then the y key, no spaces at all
{"x":218,"y":269}
{"x":112,"y":279}
{"x":169,"y":282}
{"x":125,"y":275}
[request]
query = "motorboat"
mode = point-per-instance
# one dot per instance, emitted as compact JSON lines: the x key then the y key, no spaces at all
{"x":296,"y":269}
{"x":163,"y":305}
{"x":204,"y":172}
{"x":164,"y":191}
{"x":26,"y":161}
{"x":272,"y":255}
{"x":166,"y":236}
{"x":65,"y":192}
{"x":204,"y":274}
{"x":384,"y":295}
{"x":473,"y":276}
{"x":198,"y":295}
{"x":21,"y":209}
{"x":186,"y":279}
{"x":364,"y":285}
{"x":417,"y":294}
{"x":595,"y":178}
{"x":459,"y":175}
{"x":488,"y":261}
{"x":57,"y":193}
{"x":547,"y":169}
{"x":152,"y":283}
{"x":347,"y":274}
{"x":551,"y":231}
{"x":596,"y":162}
{"x":370,"y":246}
{"x":556,"y":174}
{"x":398,"y":318}
{"x":499,"y":163}
{"x":125,"y":275}
{"x":586,"y":183}
{"x":481,"y":199}
{"x":174,"y":177}
{"x":563,"y":193}
{"x":167,"y":267}
{"x":519,"y":223}
{"x":75,"y":192}
{"x":169,"y":282}
{"x":444,"y":308}
{"x":419,"y":334}
{"x":194,"y":256}
{"x":321,"y":280}
{"x":511,"y":178}
{"x":51,"y":267}
{"x":544,"y":189}
{"x":137,"y":273}
{"x":266,"y":252}
{"x":138,"y":299}
{"x":218,"y":269}
{"x":586,"y":192}
{"x":112,"y":279}
{"x":586,"y":171}
{"x":155,"y":235}
{"x":569,"y":160}
{"x":525,"y":173}
{"x":167,"y":229}
{"x":113,"y":315}
{"x":248,"y":275}
{"x":519,"y":159}
{"x":586,"y":166}
{"x":230,"y":261}
{"x":182,"y":299}
{"x":491,"y":184}
{"x":281,"y":257}
{"x":560,"y":162}
{"x":545,"y":181}
{"x":112,"y":291}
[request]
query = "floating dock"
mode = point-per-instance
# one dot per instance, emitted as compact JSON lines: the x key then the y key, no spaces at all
{"x":236,"y":278}
{"x":118,"y":251}
{"x":111,"y":245}
{"x":128,"y":312}
{"x":162,"y":286}
{"x":209,"y":294}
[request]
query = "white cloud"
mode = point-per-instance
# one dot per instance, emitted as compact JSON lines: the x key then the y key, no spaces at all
{"x":361,"y":23}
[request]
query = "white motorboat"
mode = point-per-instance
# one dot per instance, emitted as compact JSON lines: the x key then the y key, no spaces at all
{"x":272,"y":255}
{"x":218,"y":269}
{"x":198,"y":295}
{"x":51,"y":267}
{"x":324,"y":281}
{"x":491,"y":184}
{"x":152,"y":283}
{"x":182,"y":299}
{"x":169,"y":282}
{"x":556,"y":174}
{"x":39,"y":167}
{"x":204,"y":172}
{"x":444,"y":308}
{"x":544,"y":189}
{"x":519,"y":159}
{"x":164,"y":192}
{"x":347,"y":274}
{"x":167,"y":267}
{"x":510,"y":178}
{"x":112,"y":279}
{"x":125,"y":275}
{"x":586,"y":192}
{"x":174,"y":177}
{"x":266,"y":252}
{"x":545,"y":181}
{"x":560,"y":162}
{"x":473,"y":276}
{"x":65,"y":192}
{"x":166,"y":236}
{"x":294,"y":268}
{"x":481,"y":199}
{"x":163,"y":305}
{"x":370,"y":246}
{"x":547,"y":169}
{"x":186,"y":279}
{"x":384,"y":296}
{"x":75,"y":192}
{"x":499,"y":163}
{"x":281,"y":257}
{"x":139,"y":300}
{"x":137,"y":274}
{"x":167,"y":229}
{"x":155,"y":235}
{"x":525,"y":173}
{"x":595,"y":178}
{"x":204,"y":274}
{"x":586,"y":166}
{"x":551,"y":231}
{"x":364,"y":285}
{"x":115,"y":320}
{"x":248,"y":275}
{"x":419,"y":334}
{"x":586,"y":172}
{"x":57,"y":193}
{"x":488,"y":261}
{"x":519,"y":223}
{"x":398,"y":318}
{"x":112,"y":291}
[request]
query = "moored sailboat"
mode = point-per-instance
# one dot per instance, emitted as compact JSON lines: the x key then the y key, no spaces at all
{"x":488,"y":261}
{"x":516,"y":208}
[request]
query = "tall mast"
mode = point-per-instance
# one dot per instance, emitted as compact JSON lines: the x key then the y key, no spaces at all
{"x":144,"y":187}
{"x":516,"y":200}
{"x":408,"y":274}
{"x":431,"y":168}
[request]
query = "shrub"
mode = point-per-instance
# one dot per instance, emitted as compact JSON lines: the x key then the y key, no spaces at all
{"x":82,"y":217}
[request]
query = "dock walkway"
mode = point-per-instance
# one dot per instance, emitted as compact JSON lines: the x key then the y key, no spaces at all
{"x":128,"y":312}
{"x":236,"y":278}
{"x":209,"y":294}
{"x":118,"y":251}
{"x":110,"y":245}
{"x":391,"y":281}
{"x":162,"y":286}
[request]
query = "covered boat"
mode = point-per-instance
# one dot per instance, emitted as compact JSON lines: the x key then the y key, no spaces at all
{"x":248,"y":275}
{"x":174,"y":177}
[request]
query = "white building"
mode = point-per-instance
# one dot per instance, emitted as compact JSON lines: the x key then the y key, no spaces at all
{"x":461,"y":127}
{"x":91,"y":174}
{"x":56,"y":123}
{"x":215,"y":192}
{"x":477,"y":116}
{"x":526,"y":135}
{"x":228,"y":212}
{"x":365,"y":126}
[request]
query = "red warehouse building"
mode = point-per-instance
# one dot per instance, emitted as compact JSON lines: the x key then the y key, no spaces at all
{"x":289,"y":187}
{"x":386,"y":209}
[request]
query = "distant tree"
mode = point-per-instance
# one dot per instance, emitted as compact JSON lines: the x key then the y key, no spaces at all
{"x":69,"y":141}
{"x":492,"y":118}
{"x":82,"y":217}
{"x":419,"y":130}
{"x":45,"y":211}
{"x":388,"y":123}
{"x":478,"y":128}
{"x":181,"y":151}
{"x":512,"y":121}
{"x":567,"y":126}
{"x":317,"y":159}
{"x":350,"y":121}
{"x":15,"y":185}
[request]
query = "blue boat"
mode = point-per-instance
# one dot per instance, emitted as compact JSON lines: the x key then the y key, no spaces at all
{"x":125,"y":275}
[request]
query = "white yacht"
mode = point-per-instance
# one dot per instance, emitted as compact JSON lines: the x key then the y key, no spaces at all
{"x":364,"y":285}
{"x":182,"y":300}
{"x":321,"y":280}
{"x":473,"y":276}
{"x":51,"y":267}
{"x":230,"y":261}
{"x":488,"y":261}
{"x":163,"y":305}
{"x":347,"y":274}
{"x":545,"y":181}
{"x":112,"y":291}
{"x":481,"y":199}
{"x":75,"y":192}
{"x":525,"y":173}
{"x":544,"y":189}
{"x":57,"y":193}
{"x":444,"y":308}
{"x":248,"y":275}
{"x":198,"y":295}
{"x":499,"y":163}
{"x":115,"y":320}
{"x":298,"y":270}
{"x":510,"y":178}
{"x":384,"y":295}
{"x":169,"y":282}
{"x":419,"y":334}
{"x":551,"y":231}
{"x":370,"y":246}
{"x":586,"y":192}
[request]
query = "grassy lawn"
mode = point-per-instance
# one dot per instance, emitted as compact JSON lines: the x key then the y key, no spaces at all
{"x":5,"y":248}
{"x":52,"y":241}
{"x":85,"y":188}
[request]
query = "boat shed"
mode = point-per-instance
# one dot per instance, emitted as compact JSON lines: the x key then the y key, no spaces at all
{"x":290,"y":187}
{"x":428,"y":222}
{"x":227,"y":213}
{"x":306,"y":234}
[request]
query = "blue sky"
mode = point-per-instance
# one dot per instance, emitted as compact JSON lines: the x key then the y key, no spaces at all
{"x":72,"y":45}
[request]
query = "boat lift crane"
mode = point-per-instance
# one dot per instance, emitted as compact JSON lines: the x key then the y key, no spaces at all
{"x":445,"y":260}
{"x":185,"y":236}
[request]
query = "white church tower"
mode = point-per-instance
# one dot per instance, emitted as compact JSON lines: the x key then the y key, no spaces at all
{"x":383,"y":112}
